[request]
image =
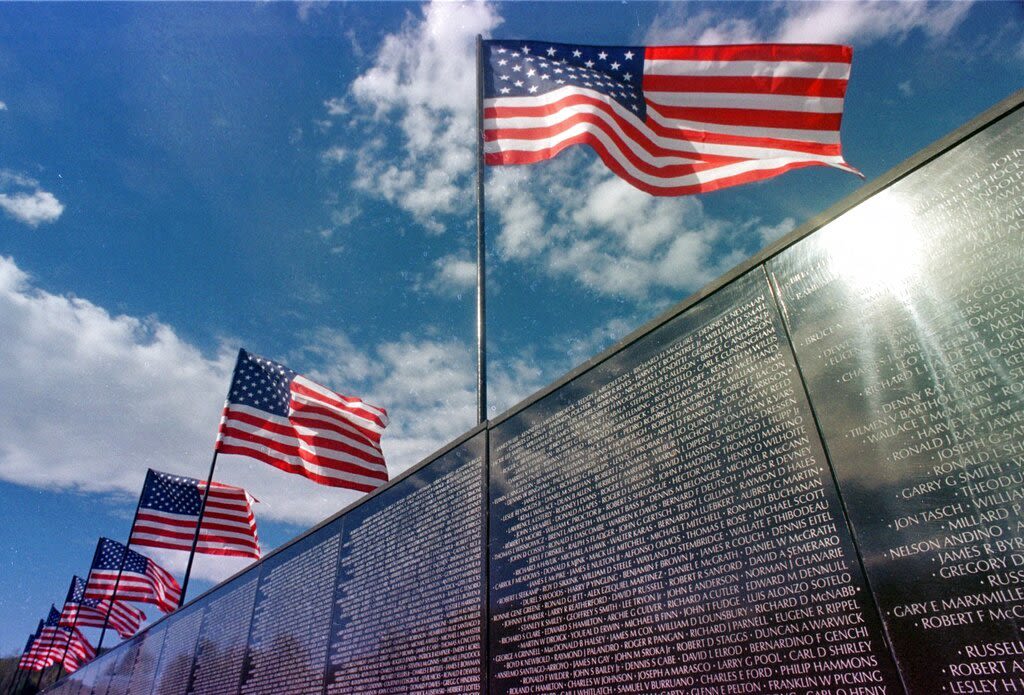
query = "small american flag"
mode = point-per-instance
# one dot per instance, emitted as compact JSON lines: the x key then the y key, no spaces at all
{"x":282,"y":418}
{"x":142,"y":579}
{"x":25,"y":662}
{"x":170,"y":507}
{"x":79,"y":611}
{"x":670,"y":120}
{"x":29,"y":660}
{"x":50,"y":643}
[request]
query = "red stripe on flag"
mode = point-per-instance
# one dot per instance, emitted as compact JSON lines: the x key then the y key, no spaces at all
{"x":755,"y":118}
{"x":293,"y":468}
{"x":794,"y":86}
{"x":807,"y":53}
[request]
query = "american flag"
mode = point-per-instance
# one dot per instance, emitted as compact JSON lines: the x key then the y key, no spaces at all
{"x":28,"y":661}
{"x":45,"y":650}
{"x":142,"y":579}
{"x":670,"y":120}
{"x":282,"y":418}
{"x":79,"y":611}
{"x":80,"y":651}
{"x":169,"y":510}
{"x":75,"y":648}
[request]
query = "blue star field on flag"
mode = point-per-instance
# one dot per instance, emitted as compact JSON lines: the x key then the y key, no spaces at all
{"x":261,"y":383}
{"x":76,"y":594}
{"x":532,"y":68}
{"x":171,"y":493}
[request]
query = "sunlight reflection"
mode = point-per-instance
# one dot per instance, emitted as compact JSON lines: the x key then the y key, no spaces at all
{"x":880,"y":248}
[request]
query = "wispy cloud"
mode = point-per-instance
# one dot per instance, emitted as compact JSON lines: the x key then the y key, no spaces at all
{"x":868,"y":20}
{"x":101,"y":397}
{"x":453,"y":275}
{"x":3,"y":106}
{"x":335,"y":155}
{"x":861,"y":21}
{"x":22,"y":199}
{"x":576,"y":219}
{"x":422,"y":81}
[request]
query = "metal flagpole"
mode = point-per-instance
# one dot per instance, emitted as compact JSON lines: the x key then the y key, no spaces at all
{"x":25,"y":674}
{"x":71,"y":592}
{"x":26,"y":677}
{"x":11,"y":685}
{"x":199,"y":525}
{"x":39,"y":682}
{"x":481,"y":316}
{"x":120,"y":571}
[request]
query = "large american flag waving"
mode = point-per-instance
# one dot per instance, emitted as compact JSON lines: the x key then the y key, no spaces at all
{"x":79,"y":611}
{"x":282,"y":418}
{"x":169,"y":510}
{"x":136,"y":577}
{"x":670,"y":120}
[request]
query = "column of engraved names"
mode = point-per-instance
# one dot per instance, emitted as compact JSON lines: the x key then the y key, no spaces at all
{"x":640,"y":558}
{"x":771,"y":584}
{"x":291,"y":623}
{"x":409,"y":606}
{"x":105,"y":669}
{"x":126,"y":663}
{"x":177,"y":653}
{"x":948,"y":416}
{"x":222,"y":640}
{"x":144,"y":669}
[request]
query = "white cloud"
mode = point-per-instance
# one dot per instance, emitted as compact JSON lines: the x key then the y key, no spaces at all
{"x":22,"y":199}
{"x":847,"y":21}
{"x":582,"y":348}
{"x":335,"y":155}
{"x":32,"y":208}
{"x":3,"y":106}
{"x":868,"y":20}
{"x":771,"y":232}
{"x":307,"y":8}
{"x":97,"y":395}
{"x":99,"y":398}
{"x":336,"y":106}
{"x":613,"y":239}
{"x":453,"y":275}
{"x":423,"y":80}
{"x":679,"y":24}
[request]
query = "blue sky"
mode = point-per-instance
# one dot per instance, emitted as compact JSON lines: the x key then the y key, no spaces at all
{"x":179,"y":180}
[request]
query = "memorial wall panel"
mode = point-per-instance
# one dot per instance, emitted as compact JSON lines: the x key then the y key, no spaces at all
{"x":907,"y":316}
{"x":179,"y":648}
{"x":70,"y":685}
{"x":666,"y":522}
{"x":409,"y":606}
{"x":147,"y":660}
{"x":126,"y":656}
{"x":90,"y":675}
{"x":227,"y":615}
{"x":291,"y":623}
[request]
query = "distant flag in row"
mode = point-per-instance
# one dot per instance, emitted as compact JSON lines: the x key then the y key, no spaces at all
{"x":79,"y":611}
{"x":28,"y":661}
{"x":141,"y":579}
{"x":670,"y":120}
{"x":277,"y":416}
{"x":53,"y":644}
{"x":44,"y":651}
{"x":169,"y":510}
